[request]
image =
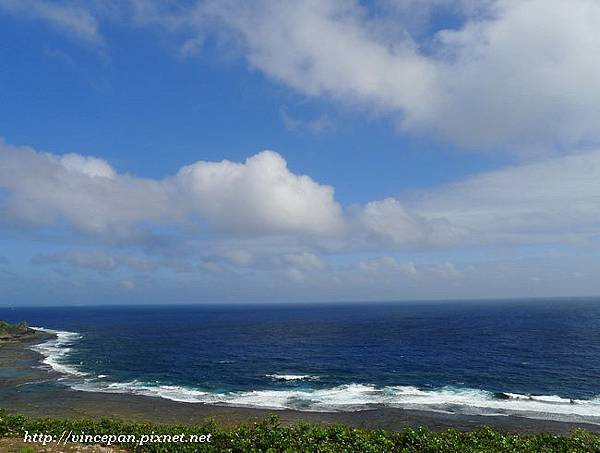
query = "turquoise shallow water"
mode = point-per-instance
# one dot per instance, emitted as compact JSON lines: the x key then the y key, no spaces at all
{"x":538,"y":359}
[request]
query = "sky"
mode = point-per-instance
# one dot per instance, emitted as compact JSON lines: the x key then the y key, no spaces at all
{"x":226,"y":151}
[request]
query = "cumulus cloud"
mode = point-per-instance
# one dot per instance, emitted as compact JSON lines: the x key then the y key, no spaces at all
{"x":300,"y":265}
{"x":513,"y":74}
{"x":84,"y":192}
{"x":544,"y":201}
{"x":510,"y":74}
{"x":89,"y":166}
{"x":260,"y":207}
{"x":305,"y":261}
{"x":525,"y":75}
{"x":391,"y":223}
{"x":258,"y":197}
{"x":322,"y":48}
{"x":552,"y":200}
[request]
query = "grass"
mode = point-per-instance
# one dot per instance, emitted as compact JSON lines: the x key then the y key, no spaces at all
{"x":271,"y":436}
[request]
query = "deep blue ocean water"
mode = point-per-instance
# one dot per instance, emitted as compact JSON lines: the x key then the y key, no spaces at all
{"x":534,"y":358}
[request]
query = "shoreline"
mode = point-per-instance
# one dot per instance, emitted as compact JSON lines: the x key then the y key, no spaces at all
{"x":26,"y":334}
{"x":29,"y":390}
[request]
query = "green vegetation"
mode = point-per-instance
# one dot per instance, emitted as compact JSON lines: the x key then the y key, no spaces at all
{"x":16,"y":332}
{"x":270,"y":435}
{"x":7,"y":329}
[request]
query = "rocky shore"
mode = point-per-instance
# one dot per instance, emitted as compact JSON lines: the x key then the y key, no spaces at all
{"x":19,"y":333}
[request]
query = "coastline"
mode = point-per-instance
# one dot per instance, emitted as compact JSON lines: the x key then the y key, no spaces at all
{"x":29,"y":390}
{"x":25,"y":335}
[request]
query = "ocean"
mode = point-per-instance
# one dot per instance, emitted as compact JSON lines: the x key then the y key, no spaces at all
{"x":538,"y":359}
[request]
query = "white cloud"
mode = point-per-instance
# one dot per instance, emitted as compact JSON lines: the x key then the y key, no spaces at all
{"x":97,"y":260}
{"x":554,"y":199}
{"x":525,"y":76}
{"x":259,"y":197}
{"x":296,"y":275}
{"x":316,"y":125}
{"x":548,"y":201}
{"x":84,"y":192}
{"x":572,"y":274}
{"x":322,"y":48}
{"x":238,"y":257}
{"x":513,"y":74}
{"x":259,"y":208}
{"x":89,"y":166}
{"x":448,"y":271}
{"x":128,"y":284}
{"x":308,"y":262}
{"x":72,"y":18}
{"x":386,"y":265}
{"x":389,"y":222}
{"x":516,"y":74}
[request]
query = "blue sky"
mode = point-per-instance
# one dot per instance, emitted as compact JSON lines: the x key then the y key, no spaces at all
{"x":418,"y":150}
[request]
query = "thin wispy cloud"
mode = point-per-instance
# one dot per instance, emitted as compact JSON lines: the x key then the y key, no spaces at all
{"x":318,"y":125}
{"x":74,"y":19}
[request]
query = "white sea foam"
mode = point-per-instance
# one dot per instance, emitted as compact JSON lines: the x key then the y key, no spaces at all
{"x":57,"y":349}
{"x":292,"y":377}
{"x":355,"y":397}
{"x":350,"y":397}
{"x":170,"y":392}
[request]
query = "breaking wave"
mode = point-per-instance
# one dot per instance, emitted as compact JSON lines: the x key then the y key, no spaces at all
{"x":292,"y":377}
{"x":356,"y":397}
{"x":347,"y":397}
{"x":57,"y":349}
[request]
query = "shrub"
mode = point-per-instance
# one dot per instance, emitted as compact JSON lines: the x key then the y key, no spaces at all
{"x":271,"y":436}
